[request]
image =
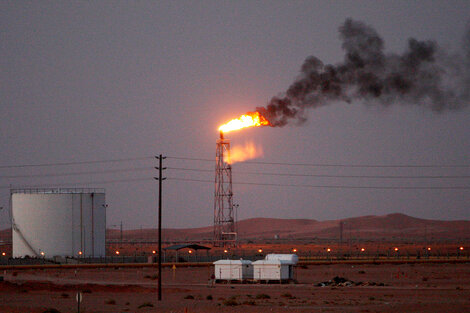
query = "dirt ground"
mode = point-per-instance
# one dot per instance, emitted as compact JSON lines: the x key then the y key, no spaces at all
{"x":384,"y":288}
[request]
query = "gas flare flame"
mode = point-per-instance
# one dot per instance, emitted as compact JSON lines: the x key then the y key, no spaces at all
{"x":250,"y":119}
{"x":242,"y":153}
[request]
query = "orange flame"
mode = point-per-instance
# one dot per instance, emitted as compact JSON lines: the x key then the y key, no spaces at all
{"x":249,"y":119}
{"x":243,"y":153}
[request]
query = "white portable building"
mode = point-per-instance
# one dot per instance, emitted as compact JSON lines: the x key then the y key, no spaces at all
{"x":275,"y":267}
{"x":272,"y":270}
{"x":233,"y":269}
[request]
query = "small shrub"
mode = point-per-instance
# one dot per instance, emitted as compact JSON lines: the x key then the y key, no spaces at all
{"x":230,"y":302}
{"x":145,"y":305}
{"x":362,"y":272}
{"x":281,"y":303}
{"x":209,"y":297}
{"x":286,"y":295}
{"x":86,"y":291}
{"x":64,"y":295}
{"x":262,"y":296}
{"x":371,"y":298}
{"x":51,"y":310}
{"x":110,"y":301}
{"x":127,"y":303}
{"x":189,"y":297}
{"x":425,"y":279}
{"x":152,"y":277}
{"x":249,"y":302}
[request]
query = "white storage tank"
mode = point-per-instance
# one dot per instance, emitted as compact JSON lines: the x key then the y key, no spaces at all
{"x":58,"y":222}
{"x":233,"y":270}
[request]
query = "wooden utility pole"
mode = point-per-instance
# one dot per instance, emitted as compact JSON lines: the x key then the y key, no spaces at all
{"x":160,"y":168}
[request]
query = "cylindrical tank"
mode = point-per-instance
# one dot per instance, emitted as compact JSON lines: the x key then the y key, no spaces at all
{"x":58,"y":222}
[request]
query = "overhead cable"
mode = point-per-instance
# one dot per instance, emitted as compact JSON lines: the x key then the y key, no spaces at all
{"x":76,"y":163}
{"x":336,"y":164}
{"x":254,"y":184}
{"x":327,"y":175}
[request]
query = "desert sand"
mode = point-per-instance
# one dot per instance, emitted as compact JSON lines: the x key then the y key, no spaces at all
{"x":372,"y":288}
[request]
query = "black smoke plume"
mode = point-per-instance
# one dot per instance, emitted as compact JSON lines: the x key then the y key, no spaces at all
{"x":424,"y":74}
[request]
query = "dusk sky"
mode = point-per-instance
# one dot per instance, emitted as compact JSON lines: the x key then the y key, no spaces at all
{"x":127,"y":80}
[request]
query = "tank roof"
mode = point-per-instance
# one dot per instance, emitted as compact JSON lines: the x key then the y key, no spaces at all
{"x":56,"y":190}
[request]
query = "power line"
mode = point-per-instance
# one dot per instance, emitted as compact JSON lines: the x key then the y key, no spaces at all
{"x":137,"y":169}
{"x":82,"y":183}
{"x":334,"y":186}
{"x":336,"y":164}
{"x":124,"y":170}
{"x":253,"y":184}
{"x":245,"y":162}
{"x":359,"y":176}
{"x":76,"y":163}
{"x":360,"y":165}
{"x":190,"y":159}
{"x":330,"y":176}
{"x":190,"y":169}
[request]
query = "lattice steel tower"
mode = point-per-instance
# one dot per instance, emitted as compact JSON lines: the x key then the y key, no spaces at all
{"x":224,"y":221}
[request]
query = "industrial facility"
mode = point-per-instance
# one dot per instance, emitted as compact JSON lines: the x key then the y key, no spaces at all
{"x":58,"y":222}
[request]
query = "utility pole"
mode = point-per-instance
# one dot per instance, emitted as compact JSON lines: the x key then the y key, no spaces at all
{"x":160,"y":168}
{"x":120,"y":240}
{"x":341,"y":223}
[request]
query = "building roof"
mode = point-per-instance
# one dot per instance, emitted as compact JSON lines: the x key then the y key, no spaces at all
{"x":273,"y":262}
{"x":230,"y":262}
{"x":187,"y":246}
{"x":283,"y":257}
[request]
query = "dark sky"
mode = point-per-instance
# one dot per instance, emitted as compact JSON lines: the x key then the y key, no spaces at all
{"x":106,"y":80}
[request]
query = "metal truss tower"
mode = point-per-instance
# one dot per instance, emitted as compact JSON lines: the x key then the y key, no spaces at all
{"x":224,"y":221}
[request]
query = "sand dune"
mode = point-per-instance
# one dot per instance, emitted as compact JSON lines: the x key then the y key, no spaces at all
{"x":392,"y":226}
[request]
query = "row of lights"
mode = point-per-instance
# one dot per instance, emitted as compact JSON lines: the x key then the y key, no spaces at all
{"x":153,"y":252}
{"x":226,"y":251}
{"x":362,"y":249}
